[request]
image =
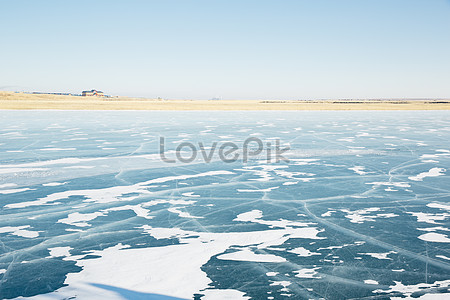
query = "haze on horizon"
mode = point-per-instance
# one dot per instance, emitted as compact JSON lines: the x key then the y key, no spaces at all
{"x":293,"y":49}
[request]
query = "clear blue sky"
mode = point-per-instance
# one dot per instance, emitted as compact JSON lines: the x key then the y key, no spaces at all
{"x":230,"y":49}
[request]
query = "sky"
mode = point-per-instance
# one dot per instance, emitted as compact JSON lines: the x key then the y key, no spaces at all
{"x":228,"y":49}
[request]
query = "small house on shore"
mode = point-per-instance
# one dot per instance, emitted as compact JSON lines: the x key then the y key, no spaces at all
{"x":92,"y":93}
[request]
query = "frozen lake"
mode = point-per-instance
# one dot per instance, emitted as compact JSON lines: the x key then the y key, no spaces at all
{"x":360,"y":207}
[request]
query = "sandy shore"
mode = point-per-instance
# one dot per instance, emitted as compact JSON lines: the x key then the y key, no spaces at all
{"x":19,"y":101}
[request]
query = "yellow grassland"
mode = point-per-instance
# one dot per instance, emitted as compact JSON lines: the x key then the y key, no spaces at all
{"x":24,"y":101}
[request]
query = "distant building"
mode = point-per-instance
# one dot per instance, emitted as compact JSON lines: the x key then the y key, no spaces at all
{"x":92,"y":93}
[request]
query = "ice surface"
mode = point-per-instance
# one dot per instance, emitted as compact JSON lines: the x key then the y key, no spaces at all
{"x":90,"y":211}
{"x":248,"y":255}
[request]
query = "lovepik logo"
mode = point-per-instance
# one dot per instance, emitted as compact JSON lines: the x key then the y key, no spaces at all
{"x":228,"y":152}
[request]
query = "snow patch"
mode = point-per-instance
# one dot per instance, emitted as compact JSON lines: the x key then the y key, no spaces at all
{"x":79,"y":220}
{"x":431,"y":173}
{"x":20,"y":231}
{"x":379,"y":255}
{"x":307,"y":273}
{"x":435,"y":237}
{"x":59,"y":251}
{"x":300,"y":251}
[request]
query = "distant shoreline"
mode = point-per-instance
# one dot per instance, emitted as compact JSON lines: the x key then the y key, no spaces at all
{"x":23,"y":101}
